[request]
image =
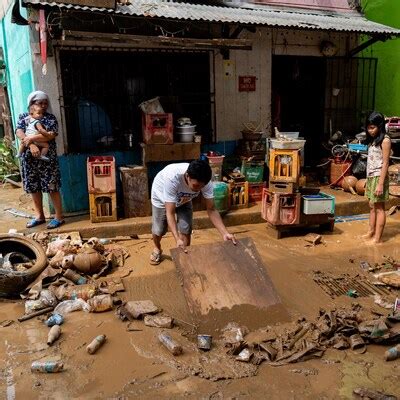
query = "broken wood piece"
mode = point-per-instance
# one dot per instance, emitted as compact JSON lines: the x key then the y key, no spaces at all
{"x":313,"y":238}
{"x":140,"y":308}
{"x":158,"y":321}
{"x":392,"y":210}
{"x":35,"y":314}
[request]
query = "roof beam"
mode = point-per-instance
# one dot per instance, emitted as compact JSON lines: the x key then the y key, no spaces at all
{"x":165,"y":41}
{"x":369,"y":42}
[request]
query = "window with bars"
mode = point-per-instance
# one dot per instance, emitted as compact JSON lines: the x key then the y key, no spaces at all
{"x":102,"y":91}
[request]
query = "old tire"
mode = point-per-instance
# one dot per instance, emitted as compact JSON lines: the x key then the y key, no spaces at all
{"x":13,"y":282}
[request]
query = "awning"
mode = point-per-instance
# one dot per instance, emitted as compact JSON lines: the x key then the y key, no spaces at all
{"x":255,"y":15}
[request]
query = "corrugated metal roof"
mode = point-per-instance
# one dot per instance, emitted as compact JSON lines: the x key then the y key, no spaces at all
{"x":267,"y":16}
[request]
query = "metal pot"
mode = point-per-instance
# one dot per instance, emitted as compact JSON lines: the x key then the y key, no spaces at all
{"x":185,"y":137}
{"x":185,"y":129}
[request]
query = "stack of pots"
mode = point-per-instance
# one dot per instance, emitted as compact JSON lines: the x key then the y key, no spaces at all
{"x":185,"y":131}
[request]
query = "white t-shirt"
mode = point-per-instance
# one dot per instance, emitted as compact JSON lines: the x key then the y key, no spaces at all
{"x":169,"y":186}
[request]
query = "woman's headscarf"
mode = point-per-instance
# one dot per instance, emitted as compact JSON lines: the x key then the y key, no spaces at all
{"x":38,"y":95}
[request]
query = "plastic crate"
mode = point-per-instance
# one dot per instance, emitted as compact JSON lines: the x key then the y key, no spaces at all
{"x":255,"y":192}
{"x":101,"y":174}
{"x":238,"y":195}
{"x":103,"y":207}
{"x":253,"y":171}
{"x":280,"y":208}
{"x":157,"y":128}
{"x":284,"y":165}
{"x":321,"y":203}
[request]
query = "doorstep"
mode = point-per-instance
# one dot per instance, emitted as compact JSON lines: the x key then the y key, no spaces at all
{"x":345,"y":204}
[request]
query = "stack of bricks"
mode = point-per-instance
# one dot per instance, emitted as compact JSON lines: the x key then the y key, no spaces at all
{"x":102,"y":188}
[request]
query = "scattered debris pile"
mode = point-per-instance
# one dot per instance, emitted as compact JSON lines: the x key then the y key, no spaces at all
{"x":340,"y":329}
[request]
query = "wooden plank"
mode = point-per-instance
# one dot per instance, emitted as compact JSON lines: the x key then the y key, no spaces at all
{"x":170,"y":152}
{"x":221,"y":275}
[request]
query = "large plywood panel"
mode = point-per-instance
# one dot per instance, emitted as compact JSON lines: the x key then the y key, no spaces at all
{"x":219,"y":276}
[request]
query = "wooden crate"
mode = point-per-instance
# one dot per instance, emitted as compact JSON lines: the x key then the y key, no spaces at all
{"x":103,"y":207}
{"x":238,"y":195}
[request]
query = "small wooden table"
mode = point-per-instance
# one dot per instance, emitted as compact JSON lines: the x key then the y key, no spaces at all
{"x":169,"y":152}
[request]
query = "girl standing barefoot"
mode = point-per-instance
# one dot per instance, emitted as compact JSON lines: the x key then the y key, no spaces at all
{"x":377,"y":186}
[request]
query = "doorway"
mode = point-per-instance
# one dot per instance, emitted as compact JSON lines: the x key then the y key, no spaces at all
{"x":298,"y":93}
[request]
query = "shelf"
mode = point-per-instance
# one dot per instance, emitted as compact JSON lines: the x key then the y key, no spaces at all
{"x":170,"y":152}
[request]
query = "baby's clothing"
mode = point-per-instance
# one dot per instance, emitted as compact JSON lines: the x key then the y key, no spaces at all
{"x":31,"y":127}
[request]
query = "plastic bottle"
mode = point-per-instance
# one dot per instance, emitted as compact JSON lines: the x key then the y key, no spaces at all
{"x":68,"y":306}
{"x":55,"y":319}
{"x":100,"y":303}
{"x":393,"y":353}
{"x":95,"y":344}
{"x":75,"y":277}
{"x":54,"y":334}
{"x":47,"y":366}
{"x":172,"y":346}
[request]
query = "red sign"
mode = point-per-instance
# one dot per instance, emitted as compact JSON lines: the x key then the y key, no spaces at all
{"x":247,"y":83}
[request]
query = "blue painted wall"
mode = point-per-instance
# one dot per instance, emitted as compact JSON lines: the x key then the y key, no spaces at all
{"x":14,"y":39}
{"x":73,"y":168}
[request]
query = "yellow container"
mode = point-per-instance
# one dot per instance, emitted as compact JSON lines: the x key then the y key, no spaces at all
{"x":103,"y":207}
{"x":238,"y":195}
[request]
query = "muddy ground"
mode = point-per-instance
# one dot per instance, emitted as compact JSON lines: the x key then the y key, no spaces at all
{"x":133,"y":364}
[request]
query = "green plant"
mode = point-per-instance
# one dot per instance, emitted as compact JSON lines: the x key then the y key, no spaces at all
{"x":8,"y":164}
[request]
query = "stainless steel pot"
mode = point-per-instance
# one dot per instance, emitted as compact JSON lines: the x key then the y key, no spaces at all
{"x":185,"y":129}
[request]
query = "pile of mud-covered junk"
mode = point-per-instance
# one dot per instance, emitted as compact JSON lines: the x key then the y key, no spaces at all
{"x":72,"y":278}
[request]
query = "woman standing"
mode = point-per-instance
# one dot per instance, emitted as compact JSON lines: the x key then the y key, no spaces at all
{"x":39,"y":176}
{"x":377,"y":186}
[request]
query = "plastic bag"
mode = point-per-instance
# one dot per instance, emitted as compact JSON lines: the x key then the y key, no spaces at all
{"x":68,"y":306}
{"x":359,"y":168}
{"x":48,"y":298}
{"x":34,"y":305}
{"x":54,"y":247}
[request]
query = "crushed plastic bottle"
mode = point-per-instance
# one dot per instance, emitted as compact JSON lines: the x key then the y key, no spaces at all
{"x":68,"y":306}
{"x":47,"y":366}
{"x":55,"y":319}
{"x":48,"y":298}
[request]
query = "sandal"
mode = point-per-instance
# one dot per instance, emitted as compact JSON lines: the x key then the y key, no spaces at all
{"x":55,"y":223}
{"x":35,"y":222}
{"x":155,"y":258}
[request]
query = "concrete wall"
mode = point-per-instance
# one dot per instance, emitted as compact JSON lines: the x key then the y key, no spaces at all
{"x":388,"y":78}
{"x":17,"y":56}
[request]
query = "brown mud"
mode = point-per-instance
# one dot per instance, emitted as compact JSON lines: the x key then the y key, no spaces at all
{"x":134,"y":364}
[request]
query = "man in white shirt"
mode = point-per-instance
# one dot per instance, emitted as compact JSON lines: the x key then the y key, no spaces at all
{"x":171,"y":197}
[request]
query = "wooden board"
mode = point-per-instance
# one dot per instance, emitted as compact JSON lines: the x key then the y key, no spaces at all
{"x":221,"y":275}
{"x":136,"y":191}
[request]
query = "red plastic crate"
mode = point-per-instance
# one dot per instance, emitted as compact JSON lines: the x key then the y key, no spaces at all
{"x":157,"y":128}
{"x":101,"y":174}
{"x":256,"y":191}
{"x":281,"y":208}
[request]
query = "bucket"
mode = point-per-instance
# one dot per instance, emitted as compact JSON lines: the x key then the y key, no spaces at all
{"x":221,"y":196}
